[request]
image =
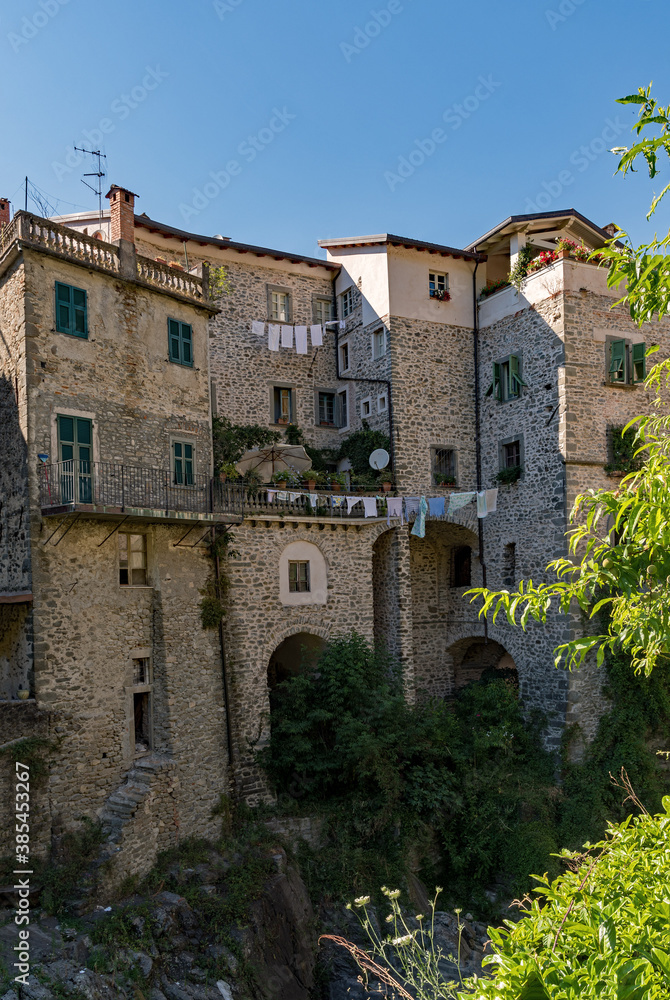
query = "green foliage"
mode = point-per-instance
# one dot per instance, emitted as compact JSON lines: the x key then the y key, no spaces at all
{"x":232,"y":440}
{"x":493,"y":286}
{"x":219,"y":282}
{"x":61,"y":878}
{"x":34,"y":752}
{"x":358,"y":447}
{"x":212,"y":611}
{"x":521,"y":268}
{"x":506,"y":477}
{"x":624,"y":449}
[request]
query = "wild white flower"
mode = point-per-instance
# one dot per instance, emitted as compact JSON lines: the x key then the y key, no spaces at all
{"x":405,"y":939}
{"x":362,"y":901}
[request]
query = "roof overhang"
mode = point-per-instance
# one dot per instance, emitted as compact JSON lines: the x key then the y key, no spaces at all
{"x":545,"y":226}
{"x":388,"y":239}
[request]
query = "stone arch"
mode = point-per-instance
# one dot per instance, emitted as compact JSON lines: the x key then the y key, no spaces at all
{"x":474,"y":658}
{"x":296,"y":652}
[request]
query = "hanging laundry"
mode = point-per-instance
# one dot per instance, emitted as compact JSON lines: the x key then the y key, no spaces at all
{"x":301,"y":339}
{"x":258,"y":328}
{"x":316,"y":335}
{"x":343,"y":324}
{"x":313,"y":499}
{"x":271,"y":496}
{"x":287,"y":336}
{"x":436,"y":506}
{"x":337,"y":502}
{"x":294,"y":496}
{"x":282,"y":495}
{"x":273,"y":336}
{"x":351,"y":503}
{"x":411,"y":506}
{"x":458,"y":500}
{"x":491,"y":501}
{"x":419,"y":528}
{"x":370,"y":506}
{"x":394,"y":509}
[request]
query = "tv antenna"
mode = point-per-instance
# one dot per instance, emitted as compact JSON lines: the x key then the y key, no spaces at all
{"x":99,"y":173}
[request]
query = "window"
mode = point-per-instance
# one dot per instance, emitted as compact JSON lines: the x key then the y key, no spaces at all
{"x":141,"y":671}
{"x":132,"y":560}
{"x":462,"y":566}
{"x":283,"y":405}
{"x":182,"y":463}
{"x":180,"y":336}
{"x":382,"y":403}
{"x":342,"y":414}
{"x":298,"y":577}
{"x":344,"y":357}
{"x":507,"y":380}
{"x":279,"y":303}
{"x":366,"y":407}
{"x":322,"y":310}
{"x":627,"y":362}
{"x":511,"y":455}
{"x":438,"y":285}
{"x":71,"y":310}
{"x":444,"y":465}
{"x":347,"y":302}
{"x":379,"y":344}
{"x":326,"y":408}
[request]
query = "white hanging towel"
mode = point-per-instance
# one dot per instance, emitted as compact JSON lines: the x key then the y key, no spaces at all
{"x":301,"y":339}
{"x":316,"y":335}
{"x":273,"y":337}
{"x":287,"y":336}
{"x":351,"y":503}
{"x":481,"y":503}
{"x":343,"y":324}
{"x":258,"y":328}
{"x":491,"y":501}
{"x":370,"y":506}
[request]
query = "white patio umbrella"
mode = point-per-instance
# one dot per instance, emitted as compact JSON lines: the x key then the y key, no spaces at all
{"x":274,"y":458}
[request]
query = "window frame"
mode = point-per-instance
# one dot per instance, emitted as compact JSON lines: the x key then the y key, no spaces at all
{"x":507,"y":371}
{"x":318,"y":300}
{"x":384,"y":408}
{"x":128,"y":535}
{"x":366,"y":401}
{"x":347,"y":301}
{"x":376,"y":355}
{"x":344,"y":348}
{"x":434,"y":451}
{"x":633,"y":355}
{"x":275,"y":419}
{"x":342,"y":409}
{"x":317,"y":402}
{"x":280,"y":290}
{"x":434,"y":285}
{"x":181,"y":341}
{"x":296,"y":578}
{"x":70,"y":330}
{"x":522,"y":453}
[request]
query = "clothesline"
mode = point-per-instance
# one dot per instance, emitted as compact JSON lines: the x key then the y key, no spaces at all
{"x":284,"y":335}
{"x":399,"y":507}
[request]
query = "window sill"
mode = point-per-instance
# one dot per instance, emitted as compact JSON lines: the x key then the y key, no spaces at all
{"x":135,"y":586}
{"x":69,"y":333}
{"x":181,"y":364}
{"x":623,"y":385}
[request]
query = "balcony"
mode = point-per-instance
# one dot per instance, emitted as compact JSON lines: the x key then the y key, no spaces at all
{"x":31,"y":231}
{"x":268,"y":501}
{"x":105,"y":489}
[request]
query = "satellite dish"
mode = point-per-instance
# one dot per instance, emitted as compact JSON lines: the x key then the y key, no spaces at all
{"x":379,"y":459}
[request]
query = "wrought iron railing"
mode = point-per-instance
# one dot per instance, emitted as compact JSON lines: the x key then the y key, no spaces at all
{"x":108,"y":484}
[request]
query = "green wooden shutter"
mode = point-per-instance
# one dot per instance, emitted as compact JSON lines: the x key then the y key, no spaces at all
{"x":618,"y":361}
{"x":186,"y":344}
{"x":80,"y":326}
{"x":178,"y":464}
{"x":495,"y":389}
{"x":63,"y":308}
{"x":188,"y":464}
{"x":515,"y":377}
{"x":174,"y":338}
{"x":639,"y":363}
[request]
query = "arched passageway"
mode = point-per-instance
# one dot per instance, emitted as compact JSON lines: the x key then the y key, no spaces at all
{"x":475,"y":659}
{"x":296,"y":653}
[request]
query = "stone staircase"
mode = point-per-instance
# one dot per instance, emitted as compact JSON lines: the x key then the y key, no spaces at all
{"x":122,"y":804}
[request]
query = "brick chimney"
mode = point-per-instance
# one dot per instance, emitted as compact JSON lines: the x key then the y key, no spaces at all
{"x":611,"y":228}
{"x":122,"y":206}
{"x":4,"y":212}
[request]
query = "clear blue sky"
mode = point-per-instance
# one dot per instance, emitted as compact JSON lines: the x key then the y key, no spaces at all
{"x":315,"y":104}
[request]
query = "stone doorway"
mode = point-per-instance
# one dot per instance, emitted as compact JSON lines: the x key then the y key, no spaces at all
{"x":296,"y":653}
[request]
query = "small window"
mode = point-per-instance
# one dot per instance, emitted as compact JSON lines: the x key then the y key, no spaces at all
{"x":142,"y":671}
{"x":366,"y":407}
{"x":342,"y":414}
{"x":344,"y":357}
{"x":279,"y":306}
{"x":326,"y":406}
{"x":132,"y":560}
{"x":347,"y":302}
{"x":71,"y":313}
{"x":283,"y":405}
{"x":627,"y":362}
{"x":382,"y":403}
{"x":142,"y":722}
{"x":182,"y":463}
{"x":444,"y":466}
{"x":438,"y":285}
{"x":298,"y":577}
{"x":511,"y":455}
{"x":322,"y":310}
{"x":507,"y":380}
{"x":180,"y":336}
{"x":379,"y":344}
{"x":462,"y":566}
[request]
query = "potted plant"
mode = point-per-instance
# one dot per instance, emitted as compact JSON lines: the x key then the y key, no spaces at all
{"x":442,"y":479}
{"x":387,"y":482}
{"x":23,"y":694}
{"x":313,"y":479}
{"x":506,"y":477}
{"x":440,"y":293}
{"x":227,"y":471}
{"x":337,"y":481}
{"x":283,"y":476}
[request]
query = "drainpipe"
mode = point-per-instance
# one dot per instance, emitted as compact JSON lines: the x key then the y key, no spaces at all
{"x":478,"y":428}
{"x":360,"y":378}
{"x":222,"y":644}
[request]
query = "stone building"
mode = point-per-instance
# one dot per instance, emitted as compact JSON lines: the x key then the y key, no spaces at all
{"x":467,"y":385}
